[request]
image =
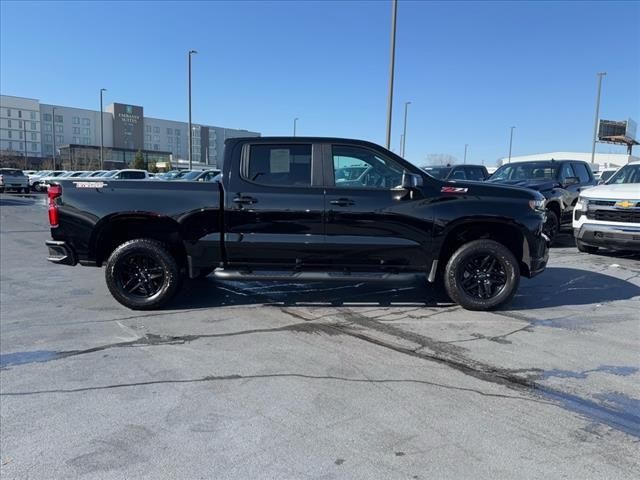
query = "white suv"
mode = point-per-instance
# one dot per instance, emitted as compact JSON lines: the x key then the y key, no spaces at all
{"x":609,"y":215}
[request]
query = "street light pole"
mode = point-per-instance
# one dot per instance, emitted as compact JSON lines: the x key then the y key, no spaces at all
{"x":404,"y":130}
{"x":191,"y":52}
{"x":394,"y":10}
{"x":53,"y":118}
{"x":101,"y":132}
{"x":466,"y":145}
{"x":510,"y":143}
{"x":295,"y":122}
{"x":595,"y":122}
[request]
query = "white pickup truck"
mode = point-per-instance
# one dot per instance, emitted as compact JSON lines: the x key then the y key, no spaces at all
{"x":608,"y":215}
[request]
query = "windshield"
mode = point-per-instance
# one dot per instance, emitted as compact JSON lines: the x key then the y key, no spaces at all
{"x":190,"y":175}
{"x":627,"y":174}
{"x":526,"y":171}
{"x":437,"y":172}
{"x":110,"y":174}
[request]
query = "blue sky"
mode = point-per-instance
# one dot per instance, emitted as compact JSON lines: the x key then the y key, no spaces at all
{"x":470,"y":69}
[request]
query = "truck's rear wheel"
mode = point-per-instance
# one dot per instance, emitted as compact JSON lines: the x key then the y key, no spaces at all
{"x":141,"y":274}
{"x":482,"y":275}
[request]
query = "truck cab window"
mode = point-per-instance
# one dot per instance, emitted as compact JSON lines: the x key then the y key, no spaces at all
{"x":356,"y":167}
{"x":280,"y":165}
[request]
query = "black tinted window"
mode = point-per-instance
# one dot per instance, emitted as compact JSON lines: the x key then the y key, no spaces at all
{"x":280,"y":165}
{"x":582,"y":172}
{"x":475,"y":173}
{"x":11,"y":172}
{"x":566,"y":172}
{"x":458,"y":174}
{"x":132,"y":175}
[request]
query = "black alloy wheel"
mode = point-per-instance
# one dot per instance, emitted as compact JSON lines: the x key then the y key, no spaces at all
{"x":482,"y":275}
{"x":142,"y":274}
{"x":551,"y":225}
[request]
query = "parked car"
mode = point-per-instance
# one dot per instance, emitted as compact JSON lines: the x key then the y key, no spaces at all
{"x":96,"y":173}
{"x":609,"y":215}
{"x":131,"y":174}
{"x":457,"y":172}
{"x":40,"y":184}
{"x":559,"y":181}
{"x":199,"y":176}
{"x":36,"y":176}
{"x":13,"y":179}
{"x":170,"y":174}
{"x":277,"y":213}
{"x":603,"y":175}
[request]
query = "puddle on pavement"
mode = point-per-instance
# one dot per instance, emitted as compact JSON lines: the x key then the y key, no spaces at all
{"x":612,"y":369}
{"x":21,"y":358}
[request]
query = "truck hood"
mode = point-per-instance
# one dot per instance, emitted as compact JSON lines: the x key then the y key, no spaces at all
{"x":622,"y":191}
{"x":539,"y":185}
{"x":494,"y":189}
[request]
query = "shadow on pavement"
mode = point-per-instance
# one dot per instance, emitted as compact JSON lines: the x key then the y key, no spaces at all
{"x":554,"y":288}
{"x":557,"y":287}
{"x":213,"y":293}
{"x":17,"y":200}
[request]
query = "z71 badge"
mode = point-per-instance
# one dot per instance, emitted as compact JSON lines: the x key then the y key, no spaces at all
{"x":89,"y":184}
{"x":454,"y":190}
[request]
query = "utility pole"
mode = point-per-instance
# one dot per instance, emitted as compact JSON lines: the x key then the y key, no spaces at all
{"x":404,"y":130}
{"x":510,"y":143}
{"x":101,"y":132}
{"x":466,"y":145}
{"x":191,"y":52}
{"x":394,"y":11}
{"x":53,"y":118}
{"x":595,"y":122}
{"x":295,"y":122}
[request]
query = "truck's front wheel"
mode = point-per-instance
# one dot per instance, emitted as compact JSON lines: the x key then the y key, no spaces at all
{"x":482,"y":275}
{"x":141,"y":274}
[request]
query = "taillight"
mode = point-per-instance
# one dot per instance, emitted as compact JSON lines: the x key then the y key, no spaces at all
{"x":54,"y":192}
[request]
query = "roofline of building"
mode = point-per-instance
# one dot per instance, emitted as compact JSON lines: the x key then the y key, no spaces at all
{"x":23,"y":98}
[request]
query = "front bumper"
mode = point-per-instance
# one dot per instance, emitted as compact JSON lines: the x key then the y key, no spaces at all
{"x":536,"y":254}
{"x":609,"y":236}
{"x":60,"y":252}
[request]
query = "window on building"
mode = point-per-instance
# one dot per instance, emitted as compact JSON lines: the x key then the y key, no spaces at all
{"x":10,"y":145}
{"x":46,"y":117}
{"x":59,"y":139}
{"x":86,"y":131}
{"x":147,"y":128}
{"x":75,"y":120}
{"x":156,"y":138}
{"x":86,"y":121}
{"x":177,"y":132}
{"x":19,"y":123}
{"x":9,"y":133}
{"x":32,"y":115}
{"x":19,"y":113}
{"x":48,"y":138}
{"x":169,"y":139}
{"x":59,"y":119}
{"x":8,"y":112}
{"x":169,"y":131}
{"x":75,"y":140}
{"x":9,"y":123}
{"x":76,"y":130}
{"x":86,"y":140}
{"x":20,"y":134}
{"x":156,"y":129}
{"x":156,"y":146}
{"x":34,"y":147}
{"x":34,"y":136}
{"x":59,"y":128}
{"x":33,"y":125}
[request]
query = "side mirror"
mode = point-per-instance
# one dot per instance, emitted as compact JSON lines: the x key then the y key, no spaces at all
{"x":571,"y":181}
{"x":411,"y":180}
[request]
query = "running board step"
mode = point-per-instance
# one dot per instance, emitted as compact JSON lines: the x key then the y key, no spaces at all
{"x":287,"y":275}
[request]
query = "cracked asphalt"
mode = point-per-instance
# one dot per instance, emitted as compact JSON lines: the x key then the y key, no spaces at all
{"x":281,"y":380}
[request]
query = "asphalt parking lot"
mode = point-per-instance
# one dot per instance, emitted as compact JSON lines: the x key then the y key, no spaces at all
{"x":277,"y":380}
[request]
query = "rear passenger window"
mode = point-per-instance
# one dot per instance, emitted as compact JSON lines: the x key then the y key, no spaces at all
{"x":280,"y":165}
{"x":458,"y":174}
{"x":475,"y":173}
{"x":582,"y":172}
{"x":132,"y":176}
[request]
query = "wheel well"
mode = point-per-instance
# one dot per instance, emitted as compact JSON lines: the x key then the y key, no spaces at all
{"x":507,"y":235}
{"x":554,"y":207}
{"x":121,"y":230}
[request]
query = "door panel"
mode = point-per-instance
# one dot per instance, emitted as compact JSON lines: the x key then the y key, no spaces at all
{"x":275,"y":207}
{"x":368,"y":223}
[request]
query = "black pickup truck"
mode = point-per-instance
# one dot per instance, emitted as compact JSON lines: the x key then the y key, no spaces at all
{"x":278,"y":212}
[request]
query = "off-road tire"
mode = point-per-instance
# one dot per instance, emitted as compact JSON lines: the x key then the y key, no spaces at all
{"x":135,"y":251}
{"x":504,"y":275}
